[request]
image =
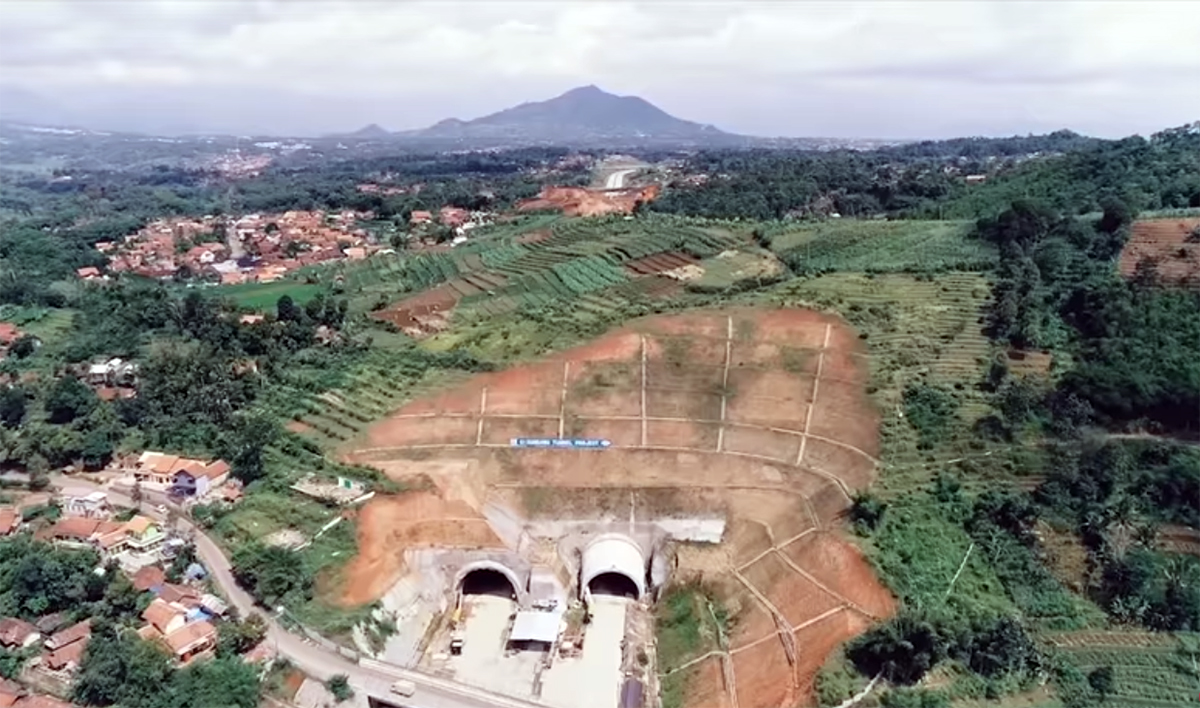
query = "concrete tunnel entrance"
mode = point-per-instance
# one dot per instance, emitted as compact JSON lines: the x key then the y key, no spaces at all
{"x":492,"y":578}
{"x":613,"y":565}
{"x":614,"y":584}
{"x":486,"y":581}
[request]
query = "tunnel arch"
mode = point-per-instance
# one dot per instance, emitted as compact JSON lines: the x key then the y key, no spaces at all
{"x":613,"y":564}
{"x":488,"y":578}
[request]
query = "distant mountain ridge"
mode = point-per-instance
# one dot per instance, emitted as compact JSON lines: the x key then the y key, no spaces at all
{"x":582,"y":114}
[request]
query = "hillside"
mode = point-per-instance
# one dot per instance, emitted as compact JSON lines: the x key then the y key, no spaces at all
{"x":580,"y":115}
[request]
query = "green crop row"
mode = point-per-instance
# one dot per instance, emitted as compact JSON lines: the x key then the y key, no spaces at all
{"x":587,"y":275}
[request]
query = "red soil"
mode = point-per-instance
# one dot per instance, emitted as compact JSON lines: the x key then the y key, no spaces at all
{"x":1166,"y":242}
{"x":597,"y":390}
{"x":577,"y":201}
{"x":388,"y":524}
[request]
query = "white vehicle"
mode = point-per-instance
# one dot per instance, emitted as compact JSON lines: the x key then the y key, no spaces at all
{"x":404,"y":687}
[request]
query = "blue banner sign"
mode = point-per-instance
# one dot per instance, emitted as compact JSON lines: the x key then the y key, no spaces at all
{"x":569,"y":443}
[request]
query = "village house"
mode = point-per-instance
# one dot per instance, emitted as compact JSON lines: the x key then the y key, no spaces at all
{"x":191,"y":640}
{"x":64,"y":650}
{"x":181,"y":475}
{"x":164,"y":617}
{"x":199,"y":479}
{"x":17,"y":633}
{"x":88,"y":273}
{"x":138,"y":535}
{"x":178,"y":595}
{"x":76,"y":531}
{"x":93,"y":505}
{"x":114,"y":372}
{"x":51,"y":623}
{"x":168,"y":623}
{"x":148,"y":577}
{"x":419,"y":217}
{"x":80,"y":631}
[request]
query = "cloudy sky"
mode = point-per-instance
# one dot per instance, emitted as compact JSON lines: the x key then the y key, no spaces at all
{"x":846,"y":69}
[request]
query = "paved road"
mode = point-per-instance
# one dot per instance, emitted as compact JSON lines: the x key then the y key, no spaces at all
{"x":617,"y":179}
{"x":371,"y":677}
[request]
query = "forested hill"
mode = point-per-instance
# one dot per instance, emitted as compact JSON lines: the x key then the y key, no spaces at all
{"x":966,"y":178}
{"x":981,"y":148}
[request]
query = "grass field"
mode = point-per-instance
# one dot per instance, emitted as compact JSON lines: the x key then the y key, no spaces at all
{"x":263,"y":296}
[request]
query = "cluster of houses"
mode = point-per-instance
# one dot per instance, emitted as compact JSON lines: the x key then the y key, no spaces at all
{"x":460,"y":221}
{"x":254,"y":247}
{"x":181,"y":616}
{"x":110,"y":379}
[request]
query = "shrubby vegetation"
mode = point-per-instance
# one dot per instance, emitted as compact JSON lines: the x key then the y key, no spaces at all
{"x":119,"y":668}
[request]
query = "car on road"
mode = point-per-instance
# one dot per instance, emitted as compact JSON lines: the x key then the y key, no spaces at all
{"x":404,"y":687}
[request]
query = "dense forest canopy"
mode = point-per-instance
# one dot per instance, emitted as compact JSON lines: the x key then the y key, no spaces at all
{"x":929,"y":180}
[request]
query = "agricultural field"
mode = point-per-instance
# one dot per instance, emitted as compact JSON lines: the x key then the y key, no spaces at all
{"x":602,"y":264}
{"x":1170,"y":245}
{"x":918,"y":330}
{"x":263,"y":296}
{"x":730,"y":268}
{"x":880,"y":246}
{"x":1150,"y":670}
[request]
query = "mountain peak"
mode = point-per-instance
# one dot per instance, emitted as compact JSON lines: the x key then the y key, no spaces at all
{"x":589,"y":90}
{"x":582,"y":114}
{"x":370,"y":131}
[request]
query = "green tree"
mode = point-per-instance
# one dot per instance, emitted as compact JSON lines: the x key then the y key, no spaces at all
{"x":252,"y":433}
{"x":867,"y":511}
{"x":1102,"y":681}
{"x":24,"y":347}
{"x":339,"y":686}
{"x":13,"y":402}
{"x":226,"y":682}
{"x":272,"y":573}
{"x":902,"y":650}
{"x":121,"y":670}
{"x":236,"y":637}
{"x":69,"y":399}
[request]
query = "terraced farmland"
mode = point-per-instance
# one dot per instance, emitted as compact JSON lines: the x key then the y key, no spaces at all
{"x":882,"y":246}
{"x":917,"y":329}
{"x":1154,"y":674}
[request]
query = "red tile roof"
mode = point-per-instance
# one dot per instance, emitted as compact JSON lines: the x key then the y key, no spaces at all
{"x":148,"y":576}
{"x":160,"y":614}
{"x":10,"y":691}
{"x":191,"y":637}
{"x":10,"y":519}
{"x":69,"y":654}
{"x":14,"y":631}
{"x":9,"y":332}
{"x":75,"y":633}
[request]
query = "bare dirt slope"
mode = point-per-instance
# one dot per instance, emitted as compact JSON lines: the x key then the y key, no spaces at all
{"x":1166,"y":242}
{"x":758,"y":414}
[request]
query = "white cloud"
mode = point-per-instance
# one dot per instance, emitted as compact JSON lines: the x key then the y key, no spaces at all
{"x":703,"y":58}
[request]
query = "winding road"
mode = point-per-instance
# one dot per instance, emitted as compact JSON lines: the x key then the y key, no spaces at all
{"x":616,"y":180}
{"x":367,"y":676}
